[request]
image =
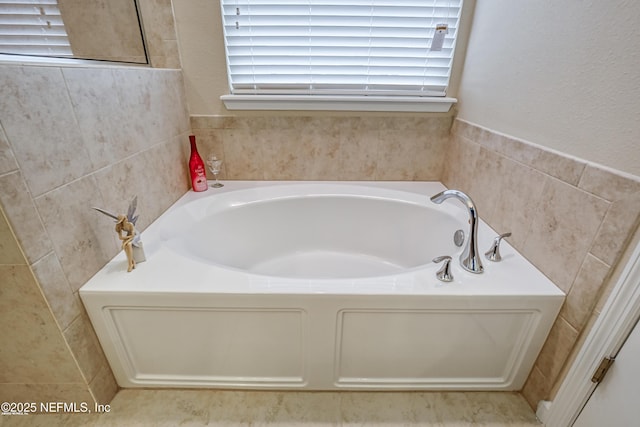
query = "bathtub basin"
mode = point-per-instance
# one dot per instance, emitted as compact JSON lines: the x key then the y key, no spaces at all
{"x":309,"y":232}
{"x":318,"y":286}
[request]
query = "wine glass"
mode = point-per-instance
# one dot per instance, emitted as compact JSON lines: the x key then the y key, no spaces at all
{"x":214,"y":165}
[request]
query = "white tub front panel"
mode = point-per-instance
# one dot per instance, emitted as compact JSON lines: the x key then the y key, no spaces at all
{"x":430,"y":347}
{"x":187,"y":346}
{"x":321,"y":342}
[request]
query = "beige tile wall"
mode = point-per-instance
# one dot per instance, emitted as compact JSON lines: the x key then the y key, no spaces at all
{"x":570,"y":218}
{"x":70,"y":139}
{"x":35,"y":362}
{"x":325,"y":148}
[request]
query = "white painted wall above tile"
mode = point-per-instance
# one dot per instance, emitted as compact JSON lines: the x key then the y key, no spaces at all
{"x":556,"y":74}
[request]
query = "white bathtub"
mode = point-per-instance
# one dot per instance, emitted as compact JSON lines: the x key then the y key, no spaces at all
{"x":318,"y":286}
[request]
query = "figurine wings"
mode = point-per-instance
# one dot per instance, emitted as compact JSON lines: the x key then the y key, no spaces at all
{"x":131,"y":212}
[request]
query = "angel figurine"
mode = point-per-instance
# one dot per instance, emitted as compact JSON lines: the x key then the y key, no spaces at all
{"x":128,"y":235}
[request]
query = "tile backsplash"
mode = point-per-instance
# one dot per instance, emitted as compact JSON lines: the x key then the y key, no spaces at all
{"x":71,"y":139}
{"x":325,"y":148}
{"x":570,"y":218}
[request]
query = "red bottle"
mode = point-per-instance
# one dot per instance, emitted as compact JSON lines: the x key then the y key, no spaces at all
{"x":196,"y":168}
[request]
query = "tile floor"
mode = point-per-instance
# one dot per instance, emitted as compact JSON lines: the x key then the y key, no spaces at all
{"x":270,"y":408}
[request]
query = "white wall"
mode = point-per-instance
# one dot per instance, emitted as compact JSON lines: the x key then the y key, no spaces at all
{"x":565,"y":75}
{"x":202,"y":54}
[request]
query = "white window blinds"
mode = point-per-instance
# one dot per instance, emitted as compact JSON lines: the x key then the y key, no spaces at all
{"x":31,"y":27}
{"x":339,"y":47}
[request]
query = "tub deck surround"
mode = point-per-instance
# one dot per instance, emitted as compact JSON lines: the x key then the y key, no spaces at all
{"x":209,"y":308}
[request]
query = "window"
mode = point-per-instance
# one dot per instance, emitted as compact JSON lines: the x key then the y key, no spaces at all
{"x":31,"y":27}
{"x":307,"y":50}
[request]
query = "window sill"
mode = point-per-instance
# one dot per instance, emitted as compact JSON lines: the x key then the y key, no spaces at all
{"x":338,"y":103}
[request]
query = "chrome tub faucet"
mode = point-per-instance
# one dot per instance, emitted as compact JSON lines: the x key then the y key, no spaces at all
{"x":469,"y":259}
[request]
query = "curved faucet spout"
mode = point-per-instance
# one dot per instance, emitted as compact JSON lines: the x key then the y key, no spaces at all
{"x":469,"y":259}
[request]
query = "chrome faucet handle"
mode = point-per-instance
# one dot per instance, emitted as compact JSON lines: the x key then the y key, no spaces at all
{"x":444,"y":274}
{"x":493,"y":254}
